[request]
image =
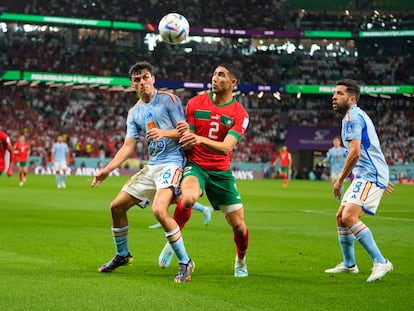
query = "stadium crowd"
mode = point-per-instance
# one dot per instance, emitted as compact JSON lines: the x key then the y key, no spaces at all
{"x":94,"y":119}
{"x":199,"y":13}
{"x":53,"y":52}
{"x":273,"y":14}
{"x":388,"y":61}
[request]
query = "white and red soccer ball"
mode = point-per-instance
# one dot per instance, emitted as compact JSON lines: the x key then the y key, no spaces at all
{"x":173,"y":28}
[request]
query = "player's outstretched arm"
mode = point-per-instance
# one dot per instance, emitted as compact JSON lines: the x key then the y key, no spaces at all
{"x":119,"y":158}
{"x":99,"y":177}
{"x":390,"y":189}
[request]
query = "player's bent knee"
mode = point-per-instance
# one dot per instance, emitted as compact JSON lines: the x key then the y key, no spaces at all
{"x":188,"y":202}
{"x":239,"y":228}
{"x":349,"y":220}
{"x":116,"y":207}
{"x":338,"y":218}
{"x":159,"y":213}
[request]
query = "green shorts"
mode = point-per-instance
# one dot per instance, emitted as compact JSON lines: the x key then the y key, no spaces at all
{"x":284,"y":169}
{"x":21,"y":164}
{"x":219,"y":186}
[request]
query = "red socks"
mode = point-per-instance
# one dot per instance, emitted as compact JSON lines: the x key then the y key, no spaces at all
{"x":242,"y":242}
{"x":182,"y":214}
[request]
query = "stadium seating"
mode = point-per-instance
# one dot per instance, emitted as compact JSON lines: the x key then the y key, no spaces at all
{"x":53,"y":53}
{"x":94,"y":119}
{"x":247,"y":14}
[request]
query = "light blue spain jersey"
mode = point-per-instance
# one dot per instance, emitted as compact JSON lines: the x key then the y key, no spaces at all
{"x":336,"y":158}
{"x":371,"y":165}
{"x":165,"y":109}
{"x":60,"y":150}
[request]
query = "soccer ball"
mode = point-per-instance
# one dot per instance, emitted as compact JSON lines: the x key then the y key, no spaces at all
{"x":173,"y":28}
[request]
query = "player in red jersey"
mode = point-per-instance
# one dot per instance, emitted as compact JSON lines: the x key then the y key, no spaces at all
{"x":21,"y":152}
{"x":5,"y":145}
{"x":216,"y":123}
{"x":285,"y":159}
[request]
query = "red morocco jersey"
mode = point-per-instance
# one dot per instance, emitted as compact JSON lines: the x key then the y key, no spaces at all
{"x":285,"y":158}
{"x":215,"y":122}
{"x":5,"y":144}
{"x":21,"y":152}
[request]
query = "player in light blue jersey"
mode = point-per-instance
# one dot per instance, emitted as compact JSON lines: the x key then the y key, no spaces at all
{"x":336,"y":158}
{"x":371,"y":179}
{"x":60,"y":160}
{"x":156,"y":113}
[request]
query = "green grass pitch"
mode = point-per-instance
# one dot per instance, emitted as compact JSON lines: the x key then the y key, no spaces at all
{"x":53,"y":241}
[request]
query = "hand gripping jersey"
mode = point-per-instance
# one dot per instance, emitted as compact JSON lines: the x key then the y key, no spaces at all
{"x":163,"y":111}
{"x":210,"y":120}
{"x":371,"y":165}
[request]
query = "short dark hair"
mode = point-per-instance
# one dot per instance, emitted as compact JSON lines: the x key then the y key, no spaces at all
{"x":233,"y":70}
{"x":352,"y":87}
{"x":138,"y":67}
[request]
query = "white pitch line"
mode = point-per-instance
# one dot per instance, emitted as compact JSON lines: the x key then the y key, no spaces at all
{"x":333,"y":213}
